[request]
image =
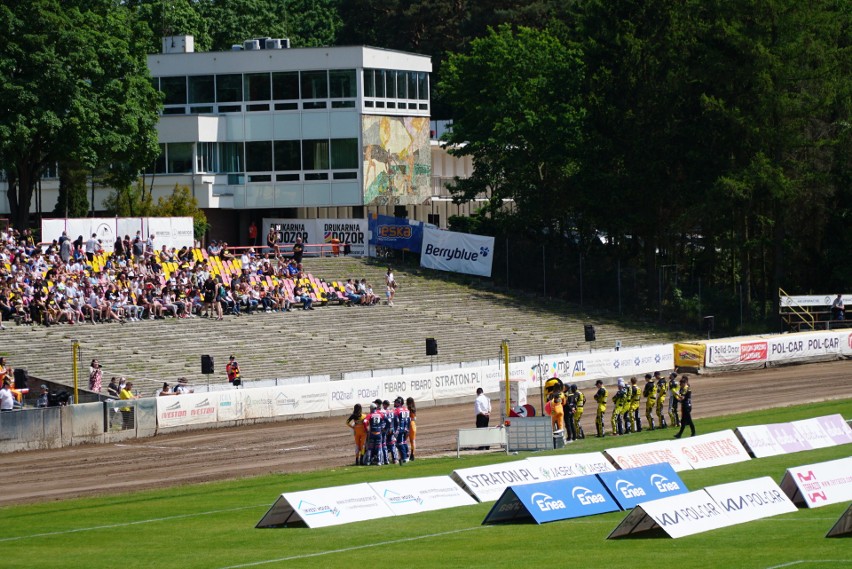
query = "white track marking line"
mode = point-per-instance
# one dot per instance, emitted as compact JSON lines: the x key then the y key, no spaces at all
{"x":125,"y":524}
{"x":808,"y":561}
{"x":354,"y":548}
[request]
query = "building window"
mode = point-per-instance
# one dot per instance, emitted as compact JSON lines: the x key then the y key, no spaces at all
{"x":159,"y":165}
{"x":257,"y":87}
{"x":288,"y":155}
{"x":342,"y":84}
{"x":174,"y":90}
{"x":369,"y":83}
{"x":402,"y":84}
{"x":259,"y":156}
{"x":390,"y":84}
{"x":315,"y":155}
{"x":202,"y":89}
{"x":231,"y":156}
{"x":285,"y":86}
{"x":206,"y":158}
{"x":180,"y":157}
{"x":229,"y":88}
{"x":412,"y":84}
{"x":315,"y":84}
{"x":423,"y":86}
{"x":344,"y":154}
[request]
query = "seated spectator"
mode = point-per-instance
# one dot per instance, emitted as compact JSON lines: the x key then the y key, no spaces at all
{"x":351,"y":293}
{"x":165,"y":391}
{"x":300,"y":295}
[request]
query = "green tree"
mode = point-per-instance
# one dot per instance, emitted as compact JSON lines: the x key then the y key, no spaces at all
{"x":520,"y":117}
{"x":172,"y":18}
{"x":181,"y":203}
{"x":74,"y":86}
{"x":130,"y":200}
{"x":72,"y":200}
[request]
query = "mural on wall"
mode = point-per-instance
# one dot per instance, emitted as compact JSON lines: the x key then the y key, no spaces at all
{"x":397,"y":160}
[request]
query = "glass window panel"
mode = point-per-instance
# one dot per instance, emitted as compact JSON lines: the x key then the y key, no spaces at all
{"x":315,"y":84}
{"x":380,"y":82}
{"x":285,"y":86}
{"x":390,"y":84}
{"x":231,"y":156}
{"x":202,"y":89}
{"x":288,"y":155}
{"x":344,"y":153}
{"x":174,"y":90}
{"x":159,"y":165}
{"x":257,"y":87}
{"x":401,"y":84}
{"x":342,"y":83}
{"x":412,"y":84}
{"x":229,"y":88}
{"x":259,"y":156}
{"x":369,"y":86}
{"x":423,"y":86}
{"x":315,"y":154}
{"x":180,"y":157}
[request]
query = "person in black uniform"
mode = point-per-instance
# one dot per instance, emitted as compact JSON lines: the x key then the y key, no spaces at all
{"x":684,"y":397}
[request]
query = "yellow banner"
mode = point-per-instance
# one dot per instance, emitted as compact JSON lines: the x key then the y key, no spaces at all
{"x":689,"y":355}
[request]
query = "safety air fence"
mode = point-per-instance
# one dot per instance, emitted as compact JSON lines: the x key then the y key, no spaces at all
{"x":271,"y":400}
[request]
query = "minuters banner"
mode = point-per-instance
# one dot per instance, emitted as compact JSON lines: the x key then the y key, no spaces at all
{"x":174,"y":232}
{"x":457,"y":252}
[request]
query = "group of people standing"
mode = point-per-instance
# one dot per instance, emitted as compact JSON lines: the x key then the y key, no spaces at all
{"x":387,"y":434}
{"x":626,"y":418}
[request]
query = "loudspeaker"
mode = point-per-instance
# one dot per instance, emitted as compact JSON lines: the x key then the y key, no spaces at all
{"x":21,"y":378}
{"x":400,"y":211}
{"x":431,"y":347}
{"x":709,"y":323}
{"x":207,"y":364}
{"x":589,"y":331}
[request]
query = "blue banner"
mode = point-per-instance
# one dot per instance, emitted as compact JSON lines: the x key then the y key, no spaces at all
{"x":395,"y":232}
{"x":551,"y":501}
{"x":632,"y":486}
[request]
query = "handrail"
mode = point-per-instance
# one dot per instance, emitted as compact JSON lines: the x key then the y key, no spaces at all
{"x":797,"y":310}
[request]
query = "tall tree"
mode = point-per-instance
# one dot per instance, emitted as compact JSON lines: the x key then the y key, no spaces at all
{"x":520,"y":116}
{"x":172,"y":18}
{"x":74,"y":86}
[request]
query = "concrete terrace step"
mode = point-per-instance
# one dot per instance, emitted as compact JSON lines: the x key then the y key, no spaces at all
{"x":467,"y":322}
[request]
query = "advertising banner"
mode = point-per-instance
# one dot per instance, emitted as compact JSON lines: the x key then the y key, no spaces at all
{"x":603,"y":364}
{"x":457,"y":252}
{"x":729,"y":353}
{"x":560,"y":466}
{"x":343,"y":395}
{"x":820,"y":484}
{"x":189,"y":409}
{"x":169,"y":231}
{"x":678,"y":516}
{"x":787,"y":437}
{"x":416,"y":495}
{"x":301,"y":399}
{"x":257,"y":403}
{"x":352,"y":232}
{"x":633,"y":486}
{"x":287,"y":230}
{"x":836,"y":427}
{"x":759,"y":440}
{"x":689,"y":355}
{"x":231,"y":405}
{"x":713,"y":449}
{"x":326,"y":507}
{"x":551,"y":501}
{"x":843,"y":527}
{"x":777,"y":348}
{"x":487,"y":483}
{"x":751,"y":500}
{"x":416,"y":385}
{"x":811,"y":430}
{"x":461,"y":382}
{"x":647,"y":454}
{"x":395,"y":232}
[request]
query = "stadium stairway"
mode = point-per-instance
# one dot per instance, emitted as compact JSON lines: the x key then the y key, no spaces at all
{"x":468,"y":322}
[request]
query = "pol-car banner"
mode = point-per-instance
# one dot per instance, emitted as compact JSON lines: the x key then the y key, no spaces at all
{"x":457,"y":252}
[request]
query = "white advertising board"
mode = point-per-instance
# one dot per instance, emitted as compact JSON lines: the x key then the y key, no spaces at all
{"x":560,"y":466}
{"x":421,"y":494}
{"x":457,"y":252}
{"x":257,"y":402}
{"x":713,"y":449}
{"x":647,"y":454}
{"x":326,"y":507}
{"x":760,"y":441}
{"x":776,"y":348}
{"x":300,"y":399}
{"x":230,"y":405}
{"x":603,"y":364}
{"x":345,"y":394}
{"x":811,"y":430}
{"x":487,"y":483}
{"x":461,"y":382}
{"x":751,"y":500}
{"x":821,"y":484}
{"x":416,"y":385}
{"x":189,"y":409}
{"x":678,"y":516}
{"x":347,"y":231}
{"x":174,"y":232}
{"x":289,"y":229}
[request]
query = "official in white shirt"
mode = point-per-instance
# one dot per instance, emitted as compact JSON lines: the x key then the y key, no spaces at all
{"x":482,"y":408}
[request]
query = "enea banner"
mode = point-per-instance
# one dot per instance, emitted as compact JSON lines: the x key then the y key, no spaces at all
{"x":821,"y":484}
{"x":552,"y":501}
{"x":395,"y":232}
{"x":174,"y":232}
{"x":326,"y":507}
{"x":457,"y":252}
{"x":633,"y":486}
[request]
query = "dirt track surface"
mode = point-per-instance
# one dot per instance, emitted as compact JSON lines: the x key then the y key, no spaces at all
{"x":306,"y":445}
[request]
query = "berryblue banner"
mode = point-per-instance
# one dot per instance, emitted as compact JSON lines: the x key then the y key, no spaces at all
{"x":550,"y":501}
{"x":632,"y":486}
{"x":395,"y":232}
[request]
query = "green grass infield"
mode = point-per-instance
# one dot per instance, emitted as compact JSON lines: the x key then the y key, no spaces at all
{"x":212,"y":525}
